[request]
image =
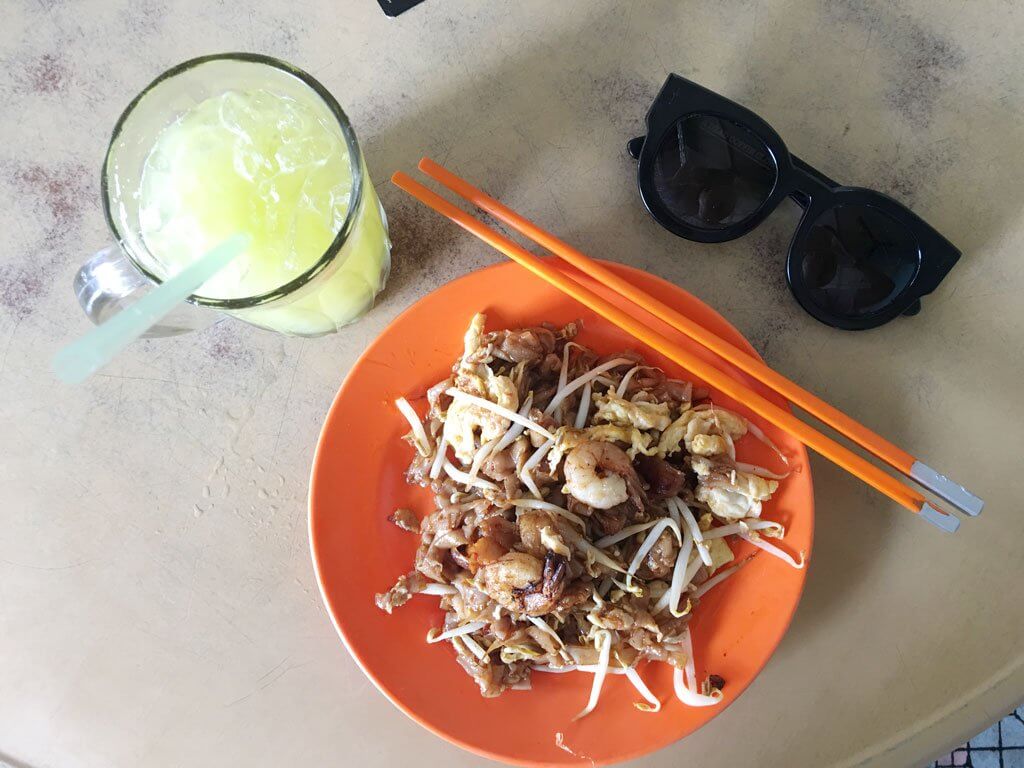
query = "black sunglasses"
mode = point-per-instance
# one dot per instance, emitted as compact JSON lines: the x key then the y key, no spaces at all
{"x":710,"y":170}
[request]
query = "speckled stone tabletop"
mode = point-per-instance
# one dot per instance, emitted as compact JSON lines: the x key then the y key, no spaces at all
{"x":157,"y":602}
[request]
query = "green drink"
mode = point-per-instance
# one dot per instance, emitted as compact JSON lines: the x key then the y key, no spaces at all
{"x":265,"y":152}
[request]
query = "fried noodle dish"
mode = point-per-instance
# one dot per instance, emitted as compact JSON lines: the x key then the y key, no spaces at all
{"x":583,"y":505}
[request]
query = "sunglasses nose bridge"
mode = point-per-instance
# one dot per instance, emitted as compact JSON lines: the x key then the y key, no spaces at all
{"x":809,"y":183}
{"x":803,"y":199}
{"x":816,"y":177}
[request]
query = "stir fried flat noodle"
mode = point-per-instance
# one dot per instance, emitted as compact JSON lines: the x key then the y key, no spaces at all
{"x":582,"y":507}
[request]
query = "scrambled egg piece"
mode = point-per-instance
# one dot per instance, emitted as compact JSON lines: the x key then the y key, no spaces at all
{"x":720,"y":554}
{"x":732,"y":495}
{"x":702,"y":432}
{"x":638,"y":442}
{"x":465,"y":420}
{"x":554,"y":542}
{"x":566,"y":438}
{"x":617,"y":410}
{"x":709,"y":445}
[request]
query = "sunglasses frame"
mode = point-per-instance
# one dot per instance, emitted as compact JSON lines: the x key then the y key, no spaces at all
{"x":814,"y":192}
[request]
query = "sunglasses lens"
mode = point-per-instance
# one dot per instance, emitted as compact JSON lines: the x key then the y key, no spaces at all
{"x":711,"y":173}
{"x":857,"y":259}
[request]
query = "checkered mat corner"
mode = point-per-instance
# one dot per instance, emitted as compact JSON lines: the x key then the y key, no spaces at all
{"x":1000,"y":746}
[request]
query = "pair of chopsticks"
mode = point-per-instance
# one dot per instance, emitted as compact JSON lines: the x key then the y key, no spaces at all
{"x":908,"y":465}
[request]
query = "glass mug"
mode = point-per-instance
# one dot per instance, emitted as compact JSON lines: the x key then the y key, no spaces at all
{"x":240,"y":142}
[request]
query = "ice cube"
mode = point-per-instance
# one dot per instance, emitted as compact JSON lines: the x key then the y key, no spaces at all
{"x":291,"y":120}
{"x":308,"y":151}
{"x":236,"y":115}
{"x":248,"y":161}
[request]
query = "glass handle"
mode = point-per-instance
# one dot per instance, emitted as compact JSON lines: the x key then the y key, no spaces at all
{"x":109,"y":282}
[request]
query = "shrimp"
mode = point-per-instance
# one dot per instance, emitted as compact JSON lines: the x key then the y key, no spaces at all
{"x":507,"y":576}
{"x":523,"y":583}
{"x":600,"y":475}
{"x":542,"y":596}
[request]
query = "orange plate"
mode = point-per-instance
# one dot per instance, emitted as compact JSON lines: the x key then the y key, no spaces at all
{"x":357,"y":482}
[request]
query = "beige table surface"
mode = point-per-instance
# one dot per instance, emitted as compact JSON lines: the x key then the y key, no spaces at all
{"x":157,"y":603}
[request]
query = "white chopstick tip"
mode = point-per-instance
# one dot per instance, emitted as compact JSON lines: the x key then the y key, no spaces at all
{"x":941,"y":520}
{"x":947,"y":489}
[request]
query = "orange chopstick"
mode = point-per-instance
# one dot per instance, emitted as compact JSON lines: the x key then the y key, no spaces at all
{"x":872,"y":475}
{"x":892,"y":454}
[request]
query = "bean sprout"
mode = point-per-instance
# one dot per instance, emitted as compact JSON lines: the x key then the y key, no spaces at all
{"x":771,"y":549}
{"x":501,"y":410}
{"x":438,"y":589}
{"x":547,"y":506}
{"x":578,"y":668}
{"x":543,"y":626}
{"x":757,"y":432}
{"x":692,"y":698}
{"x":434,"y":637}
{"x":420,"y":439}
{"x":625,"y":533}
{"x":584,"y":409}
{"x":686,"y":690}
{"x":472,"y":645}
{"x":621,"y":389}
{"x":530,"y":483}
{"x":754,"y":469}
{"x":527,"y":471}
{"x":691,"y":523}
{"x":481,"y":455}
{"x":770,"y":528}
{"x":579,"y":381}
{"x":538,"y":455}
{"x":442,"y":451}
{"x":649,"y":542}
{"x":463,"y":477}
{"x":717,"y":579}
{"x":671,"y":598}
{"x":603,"y":642}
{"x":516,"y":429}
{"x":600,"y":557}
{"x":653,"y":704}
